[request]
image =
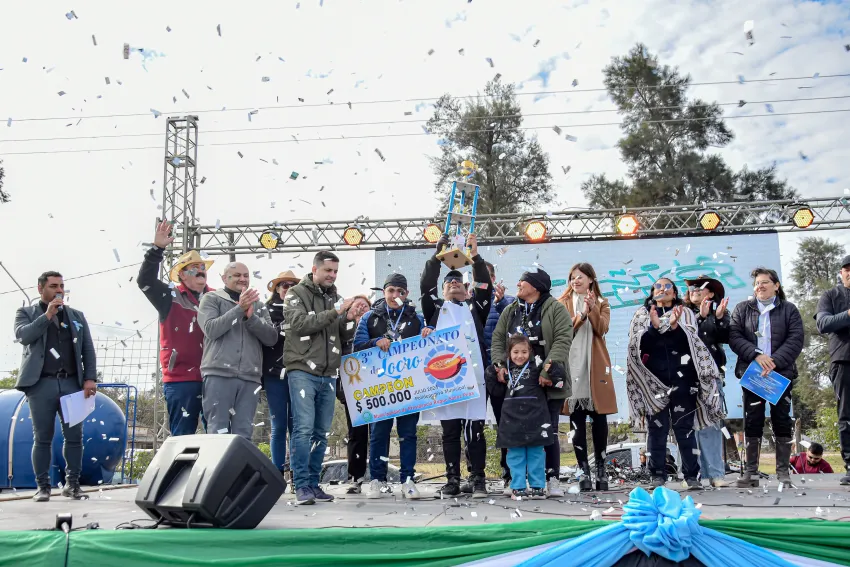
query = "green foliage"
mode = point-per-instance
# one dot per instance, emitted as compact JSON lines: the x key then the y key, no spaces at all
{"x":265,"y":448}
{"x":666,"y":137}
{"x":493,"y":464}
{"x":826,"y":432}
{"x":141,"y":461}
{"x":8,"y":383}
{"x":814,"y":270}
{"x":481,"y":130}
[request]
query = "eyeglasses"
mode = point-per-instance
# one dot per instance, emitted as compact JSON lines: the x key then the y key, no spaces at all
{"x":764,"y":283}
{"x":285,"y":285}
{"x":664,"y":286}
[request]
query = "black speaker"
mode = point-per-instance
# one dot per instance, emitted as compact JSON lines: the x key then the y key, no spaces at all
{"x":220,"y":481}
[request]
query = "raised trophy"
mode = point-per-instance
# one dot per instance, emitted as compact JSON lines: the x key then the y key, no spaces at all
{"x":463,"y":202}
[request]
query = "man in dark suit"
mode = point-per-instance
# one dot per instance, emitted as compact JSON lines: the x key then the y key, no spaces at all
{"x":59,"y":359}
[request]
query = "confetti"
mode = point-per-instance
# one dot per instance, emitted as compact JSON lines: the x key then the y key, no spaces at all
{"x":117,"y":257}
{"x":222,"y":431}
{"x":54,"y":353}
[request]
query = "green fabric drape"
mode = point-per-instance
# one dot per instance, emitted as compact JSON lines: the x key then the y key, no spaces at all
{"x":382,"y":547}
{"x":817,"y":539}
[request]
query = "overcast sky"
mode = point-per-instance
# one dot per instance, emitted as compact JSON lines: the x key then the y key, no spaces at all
{"x":72,"y":207}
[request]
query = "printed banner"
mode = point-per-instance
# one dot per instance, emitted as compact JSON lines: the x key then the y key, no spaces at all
{"x":416,"y":374}
{"x":770,"y":387}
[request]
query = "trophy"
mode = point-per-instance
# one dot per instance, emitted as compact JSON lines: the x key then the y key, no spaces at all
{"x":463,"y":202}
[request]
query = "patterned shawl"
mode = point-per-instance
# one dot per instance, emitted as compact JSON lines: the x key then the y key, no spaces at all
{"x":648,"y":395}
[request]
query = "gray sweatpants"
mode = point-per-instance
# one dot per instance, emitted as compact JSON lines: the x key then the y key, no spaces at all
{"x":229,"y":405}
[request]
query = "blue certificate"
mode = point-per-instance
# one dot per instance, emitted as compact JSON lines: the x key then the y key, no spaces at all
{"x":770,"y":387}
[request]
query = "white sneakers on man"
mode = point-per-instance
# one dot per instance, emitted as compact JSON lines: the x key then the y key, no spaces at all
{"x":377,"y":489}
{"x":409,"y":490}
{"x":554,"y":488}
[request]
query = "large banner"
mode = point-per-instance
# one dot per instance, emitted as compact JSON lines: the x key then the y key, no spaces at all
{"x":626,"y":269}
{"x":414,"y":375}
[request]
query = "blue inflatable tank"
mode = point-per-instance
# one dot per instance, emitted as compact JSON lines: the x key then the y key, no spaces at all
{"x":104,"y":440}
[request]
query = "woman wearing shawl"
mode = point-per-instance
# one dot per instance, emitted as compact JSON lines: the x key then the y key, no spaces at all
{"x":593,"y":393}
{"x":671,"y":380}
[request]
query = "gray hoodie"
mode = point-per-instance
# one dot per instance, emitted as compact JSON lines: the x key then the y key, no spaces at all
{"x":233,"y":344}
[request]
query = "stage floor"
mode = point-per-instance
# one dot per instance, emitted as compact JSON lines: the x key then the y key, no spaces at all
{"x":110,"y":506}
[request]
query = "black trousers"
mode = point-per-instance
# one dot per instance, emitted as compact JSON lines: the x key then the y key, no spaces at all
{"x":358,"y":445}
{"x":476,"y":446}
{"x":679,"y":414}
{"x":780,"y":414}
{"x":553,"y":451}
{"x":839,"y":373}
{"x":599,"y":431}
{"x":497,"y":411}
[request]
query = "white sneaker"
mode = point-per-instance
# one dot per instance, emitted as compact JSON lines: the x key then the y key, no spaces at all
{"x":409,"y":490}
{"x":376,"y":489}
{"x":508,"y":491}
{"x":554,"y":487}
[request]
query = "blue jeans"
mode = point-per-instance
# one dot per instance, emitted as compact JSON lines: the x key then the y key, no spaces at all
{"x":379,"y":446}
{"x":312,"y":402}
{"x":183,"y":397}
{"x":527,"y":461}
{"x":277,"y":394}
{"x":710,"y":442}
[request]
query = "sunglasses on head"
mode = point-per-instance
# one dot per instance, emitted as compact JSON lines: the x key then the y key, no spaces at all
{"x":664,"y":286}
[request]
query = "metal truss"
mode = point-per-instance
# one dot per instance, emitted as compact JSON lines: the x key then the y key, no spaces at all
{"x":765,"y":216}
{"x":178,"y":192}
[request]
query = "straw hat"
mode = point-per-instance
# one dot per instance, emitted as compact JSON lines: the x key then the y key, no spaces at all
{"x":287,"y":276}
{"x":190,"y":257}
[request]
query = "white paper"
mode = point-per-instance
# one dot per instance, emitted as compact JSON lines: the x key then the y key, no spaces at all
{"x":451,"y":315}
{"x":76,"y":407}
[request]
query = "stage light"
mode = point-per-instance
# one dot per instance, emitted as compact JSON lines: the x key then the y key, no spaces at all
{"x":352,"y":236}
{"x":709,"y":220}
{"x":535,"y":230}
{"x":627,"y":224}
{"x":432,"y":233}
{"x":269,"y":240}
{"x":804,"y":217}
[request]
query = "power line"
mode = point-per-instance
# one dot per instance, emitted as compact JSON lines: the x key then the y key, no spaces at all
{"x":411,"y":134}
{"x":415,"y":99}
{"x":417,"y":121}
{"x":80,"y":277}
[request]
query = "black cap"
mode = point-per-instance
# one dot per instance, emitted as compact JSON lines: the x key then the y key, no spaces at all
{"x":453,"y":275}
{"x":845,"y":261}
{"x":397,"y":280}
{"x":539,"y":279}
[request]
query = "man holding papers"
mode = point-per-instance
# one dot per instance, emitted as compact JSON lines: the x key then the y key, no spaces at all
{"x":58,"y":360}
{"x":766,"y":330}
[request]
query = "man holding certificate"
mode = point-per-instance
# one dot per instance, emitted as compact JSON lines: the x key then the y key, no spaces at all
{"x":766,"y":330}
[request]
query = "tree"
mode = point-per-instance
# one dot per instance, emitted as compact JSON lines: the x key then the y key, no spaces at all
{"x":4,"y":197}
{"x":513,"y":172}
{"x":8,"y":383}
{"x":666,"y":137}
{"x":813,"y":271}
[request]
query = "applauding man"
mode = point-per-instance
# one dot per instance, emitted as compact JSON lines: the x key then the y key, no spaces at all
{"x":236,"y":325}
{"x":318,"y":322}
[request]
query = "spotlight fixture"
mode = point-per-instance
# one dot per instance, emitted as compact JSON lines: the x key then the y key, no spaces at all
{"x":803,"y":217}
{"x":709,"y":220}
{"x":627,"y":224}
{"x":432,"y":233}
{"x":535,"y":230}
{"x":269,"y":240}
{"x":352,"y":236}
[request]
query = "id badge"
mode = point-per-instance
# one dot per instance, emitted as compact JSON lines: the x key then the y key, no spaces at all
{"x":393,"y":335}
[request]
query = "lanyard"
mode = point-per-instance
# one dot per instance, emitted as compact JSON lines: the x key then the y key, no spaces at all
{"x":397,"y":321}
{"x":513,"y":383}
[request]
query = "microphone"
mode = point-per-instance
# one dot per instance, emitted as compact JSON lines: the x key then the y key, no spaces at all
{"x":62,"y":296}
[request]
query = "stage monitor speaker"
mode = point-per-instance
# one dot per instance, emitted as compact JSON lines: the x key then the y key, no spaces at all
{"x":220,"y":481}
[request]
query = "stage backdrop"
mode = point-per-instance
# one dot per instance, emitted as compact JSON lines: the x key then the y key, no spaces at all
{"x":625,"y":269}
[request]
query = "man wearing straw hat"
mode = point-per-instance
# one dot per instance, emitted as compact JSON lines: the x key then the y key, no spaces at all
{"x":181,"y":339}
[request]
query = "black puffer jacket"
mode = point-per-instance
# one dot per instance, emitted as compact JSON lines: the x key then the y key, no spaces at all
{"x":714,"y":333}
{"x":786,"y":336}
{"x":273,"y":355}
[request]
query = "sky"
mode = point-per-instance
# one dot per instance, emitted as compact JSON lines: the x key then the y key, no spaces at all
{"x":81,"y":165}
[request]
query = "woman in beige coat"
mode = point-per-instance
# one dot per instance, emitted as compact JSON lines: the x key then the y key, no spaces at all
{"x":593,"y":393}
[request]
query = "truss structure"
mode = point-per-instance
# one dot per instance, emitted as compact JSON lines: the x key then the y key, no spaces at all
{"x":180,"y":179}
{"x":832,"y":213}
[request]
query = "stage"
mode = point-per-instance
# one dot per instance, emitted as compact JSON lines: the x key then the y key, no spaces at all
{"x":111,"y":506}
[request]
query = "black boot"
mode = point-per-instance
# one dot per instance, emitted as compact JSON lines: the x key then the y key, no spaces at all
{"x":750,"y":467}
{"x":584,"y":483}
{"x":73,"y":490}
{"x":468,"y":487}
{"x":452,"y":487}
{"x":479,"y":486}
{"x":601,"y":475}
{"x":42,"y":494}
{"x":783,"y":458}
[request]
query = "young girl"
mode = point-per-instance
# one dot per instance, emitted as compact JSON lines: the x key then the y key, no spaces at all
{"x":525,"y":427}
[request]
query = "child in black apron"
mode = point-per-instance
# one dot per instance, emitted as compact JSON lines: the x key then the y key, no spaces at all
{"x":524,"y":428}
